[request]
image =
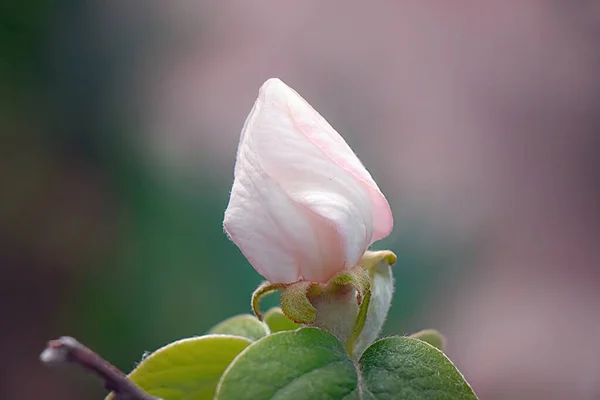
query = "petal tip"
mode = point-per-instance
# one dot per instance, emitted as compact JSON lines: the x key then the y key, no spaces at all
{"x":271,"y":82}
{"x":273,"y":86}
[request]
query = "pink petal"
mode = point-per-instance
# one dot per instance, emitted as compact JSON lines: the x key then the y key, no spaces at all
{"x":302,"y":204}
{"x":318,"y":131}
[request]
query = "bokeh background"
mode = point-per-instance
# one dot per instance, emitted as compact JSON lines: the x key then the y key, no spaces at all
{"x":480,"y":121}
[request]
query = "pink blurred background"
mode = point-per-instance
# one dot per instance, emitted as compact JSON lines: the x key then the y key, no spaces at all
{"x":480,"y":121}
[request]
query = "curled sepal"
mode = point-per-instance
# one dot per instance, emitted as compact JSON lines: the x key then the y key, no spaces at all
{"x":295,"y":302}
{"x":352,"y":305}
{"x":262,"y":290}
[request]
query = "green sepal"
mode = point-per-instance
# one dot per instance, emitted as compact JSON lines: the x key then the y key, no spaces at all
{"x":378,"y":265}
{"x":343,"y":306}
{"x":295,"y":302}
{"x":333,"y":306}
{"x":262,"y":290}
{"x":357,"y":277}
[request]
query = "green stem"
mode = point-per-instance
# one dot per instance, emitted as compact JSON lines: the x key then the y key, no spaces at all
{"x":262,"y":290}
{"x":360,"y":322}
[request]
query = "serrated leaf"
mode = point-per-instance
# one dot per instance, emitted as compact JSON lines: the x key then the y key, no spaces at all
{"x":278,"y":322}
{"x":188,"y":369}
{"x":408,"y":368}
{"x":244,"y":325}
{"x":431,"y":336}
{"x":307,"y":363}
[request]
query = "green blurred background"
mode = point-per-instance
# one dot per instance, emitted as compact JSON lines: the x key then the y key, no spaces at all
{"x":119,"y":125}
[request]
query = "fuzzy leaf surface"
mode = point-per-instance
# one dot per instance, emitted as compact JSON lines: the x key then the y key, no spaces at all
{"x":308,"y":363}
{"x":188,"y":369}
{"x":408,"y":368}
{"x":244,"y":325}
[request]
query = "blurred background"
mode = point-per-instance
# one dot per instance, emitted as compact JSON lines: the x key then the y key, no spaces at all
{"x":480,"y":121}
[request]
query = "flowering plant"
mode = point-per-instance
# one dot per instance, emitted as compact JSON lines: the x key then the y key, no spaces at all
{"x":304,"y":211}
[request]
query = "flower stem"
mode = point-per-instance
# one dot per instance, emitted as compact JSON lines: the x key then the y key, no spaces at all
{"x":360,"y":322}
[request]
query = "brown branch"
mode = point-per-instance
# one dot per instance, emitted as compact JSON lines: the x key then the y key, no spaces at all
{"x":66,"y":349}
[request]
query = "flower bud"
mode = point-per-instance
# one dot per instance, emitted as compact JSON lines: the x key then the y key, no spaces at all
{"x":302,"y":206}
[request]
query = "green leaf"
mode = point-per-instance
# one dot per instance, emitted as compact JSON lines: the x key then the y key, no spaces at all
{"x":307,"y":363}
{"x":431,"y":336}
{"x":278,"y":322}
{"x":188,"y":369}
{"x":408,"y":368}
{"x":244,"y":325}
